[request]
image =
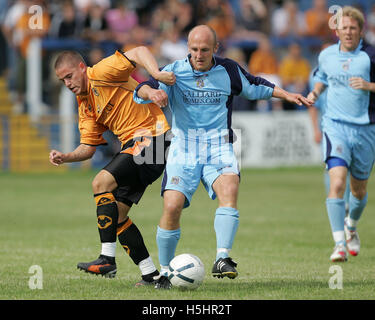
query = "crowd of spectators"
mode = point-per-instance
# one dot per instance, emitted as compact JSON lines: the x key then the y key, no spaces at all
{"x":278,"y":40}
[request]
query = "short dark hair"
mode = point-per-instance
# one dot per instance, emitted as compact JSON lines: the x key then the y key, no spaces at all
{"x":68,"y":56}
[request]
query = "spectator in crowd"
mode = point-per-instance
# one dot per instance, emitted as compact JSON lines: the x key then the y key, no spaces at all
{"x":294,"y":71}
{"x":370,"y":32}
{"x":264,"y":63}
{"x":25,"y":34}
{"x":65,"y":23}
{"x":161,"y":19}
{"x":173,"y":47}
{"x":8,"y":27}
{"x":121,"y":21}
{"x":186,"y":17}
{"x":95,"y":55}
{"x":317,"y":19}
{"x":251,"y":19}
{"x":95,"y":26}
{"x":83,"y":6}
{"x":288,"y":21}
{"x":218,"y":15}
{"x":173,"y":13}
{"x":3,"y":46}
{"x":181,"y":15}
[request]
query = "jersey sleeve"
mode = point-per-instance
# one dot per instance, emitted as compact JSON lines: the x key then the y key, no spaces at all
{"x":153,"y":83}
{"x":254,"y":88}
{"x":115,"y":68}
{"x":91,"y":132}
{"x":319,"y":74}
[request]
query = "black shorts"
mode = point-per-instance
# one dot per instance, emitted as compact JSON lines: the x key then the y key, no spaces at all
{"x":140,"y":162}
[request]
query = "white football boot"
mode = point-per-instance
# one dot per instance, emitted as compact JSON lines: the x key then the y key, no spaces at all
{"x":339,"y":254}
{"x":352,"y":240}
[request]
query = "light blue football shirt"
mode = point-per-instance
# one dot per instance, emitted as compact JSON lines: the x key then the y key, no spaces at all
{"x":201,"y":102}
{"x":335,"y":68}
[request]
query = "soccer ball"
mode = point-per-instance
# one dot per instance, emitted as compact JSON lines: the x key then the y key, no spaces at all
{"x":186,"y":271}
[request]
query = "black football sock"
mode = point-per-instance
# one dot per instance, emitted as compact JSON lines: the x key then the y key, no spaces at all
{"x":107,"y":213}
{"x":132,"y":241}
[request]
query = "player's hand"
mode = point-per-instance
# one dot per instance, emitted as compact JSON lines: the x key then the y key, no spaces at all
{"x":318,"y":136}
{"x":56,"y":157}
{"x":299,"y":99}
{"x":312,"y":96}
{"x":159,"y":97}
{"x":166,"y":77}
{"x":358,"y":83}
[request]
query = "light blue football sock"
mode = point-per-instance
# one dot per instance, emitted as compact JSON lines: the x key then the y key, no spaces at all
{"x":356,"y":207}
{"x":326,"y":181}
{"x":167,"y":242}
{"x":347,"y":191}
{"x":226,"y":225}
{"x":336,"y":215}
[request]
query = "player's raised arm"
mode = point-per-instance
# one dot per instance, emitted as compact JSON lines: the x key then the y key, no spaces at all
{"x":291,"y":97}
{"x":142,"y":56}
{"x":81,"y":153}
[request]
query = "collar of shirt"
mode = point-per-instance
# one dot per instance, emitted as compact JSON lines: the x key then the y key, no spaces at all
{"x":355,"y":51}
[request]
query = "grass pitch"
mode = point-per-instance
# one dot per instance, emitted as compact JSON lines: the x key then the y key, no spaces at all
{"x":282,"y":245}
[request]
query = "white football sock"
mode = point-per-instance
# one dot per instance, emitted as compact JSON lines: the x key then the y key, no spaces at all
{"x":109,"y":249}
{"x":146,"y":266}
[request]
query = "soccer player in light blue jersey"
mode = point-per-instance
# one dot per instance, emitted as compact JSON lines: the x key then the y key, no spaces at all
{"x":316,"y":115}
{"x":347,"y":71}
{"x":202,"y":150}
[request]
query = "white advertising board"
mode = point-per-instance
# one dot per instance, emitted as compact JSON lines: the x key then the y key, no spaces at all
{"x":275,"y":139}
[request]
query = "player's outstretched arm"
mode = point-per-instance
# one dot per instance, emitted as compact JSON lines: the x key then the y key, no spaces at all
{"x":143,"y":56}
{"x":82,"y":152}
{"x":291,"y":97}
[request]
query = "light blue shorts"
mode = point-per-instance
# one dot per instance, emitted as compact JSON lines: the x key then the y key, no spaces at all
{"x":188,"y":163}
{"x":355,"y":144}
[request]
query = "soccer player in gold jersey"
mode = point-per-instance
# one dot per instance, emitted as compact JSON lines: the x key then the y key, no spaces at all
{"x":105,"y":102}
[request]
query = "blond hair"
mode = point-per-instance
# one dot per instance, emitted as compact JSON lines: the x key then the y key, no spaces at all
{"x":355,"y":14}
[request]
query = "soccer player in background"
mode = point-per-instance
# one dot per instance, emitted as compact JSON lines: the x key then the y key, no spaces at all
{"x":346,"y":71}
{"x":316,"y":113}
{"x":105,"y":102}
{"x":201,"y":149}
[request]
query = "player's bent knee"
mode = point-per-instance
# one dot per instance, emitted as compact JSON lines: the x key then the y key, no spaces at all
{"x":103,"y":182}
{"x":227,"y":195}
{"x":231,"y":190}
{"x":170,"y":219}
{"x":337,"y":189}
{"x":172,"y":212}
{"x":173,"y":203}
{"x":359,"y":194}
